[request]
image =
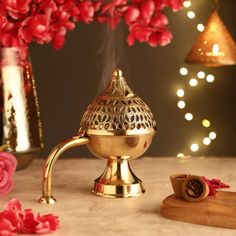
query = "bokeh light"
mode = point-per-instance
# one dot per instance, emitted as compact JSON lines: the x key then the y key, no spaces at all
{"x":201,"y":75}
{"x":181,"y":104}
{"x":206,"y":123}
{"x":187,"y":4}
{"x":191,"y":14}
{"x":193,"y":82}
{"x":194,"y":147}
{"x":200,"y":27}
{"x":188,"y":116}
{"x":180,"y":92}
{"x":206,"y":141}
{"x":212,"y":135}
{"x":210,"y":78}
{"x":183,"y":71}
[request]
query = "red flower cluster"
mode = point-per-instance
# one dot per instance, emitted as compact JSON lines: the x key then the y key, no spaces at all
{"x":41,"y":21}
{"x":15,"y":220}
{"x":145,"y":19}
{"x":45,"y":21}
{"x":214,"y":185}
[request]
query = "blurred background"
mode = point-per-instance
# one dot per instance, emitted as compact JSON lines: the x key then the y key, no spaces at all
{"x":67,"y":81}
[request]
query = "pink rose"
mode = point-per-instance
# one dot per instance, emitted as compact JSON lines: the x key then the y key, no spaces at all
{"x":7,"y":169}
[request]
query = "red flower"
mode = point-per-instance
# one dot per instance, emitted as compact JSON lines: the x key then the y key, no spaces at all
{"x":45,"y":21}
{"x":86,"y":11}
{"x":36,"y":27}
{"x":132,"y":15}
{"x":6,"y":229}
{"x":7,"y":169}
{"x":15,"y":220}
{"x":147,"y":10}
{"x":159,"y":20}
{"x":17,"y":7}
{"x":214,"y":185}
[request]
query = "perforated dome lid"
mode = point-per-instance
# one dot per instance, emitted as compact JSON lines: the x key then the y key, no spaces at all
{"x":117,"y":111}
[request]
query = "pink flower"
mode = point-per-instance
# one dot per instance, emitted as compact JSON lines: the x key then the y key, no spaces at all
{"x":16,"y":220}
{"x":7,"y":169}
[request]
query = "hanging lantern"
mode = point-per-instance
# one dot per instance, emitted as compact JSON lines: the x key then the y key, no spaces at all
{"x":214,"y":46}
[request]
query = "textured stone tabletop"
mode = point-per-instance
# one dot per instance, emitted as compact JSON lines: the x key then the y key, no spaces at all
{"x":82,"y":213}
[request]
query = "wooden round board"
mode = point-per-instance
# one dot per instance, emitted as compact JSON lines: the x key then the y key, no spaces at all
{"x":218,"y":210}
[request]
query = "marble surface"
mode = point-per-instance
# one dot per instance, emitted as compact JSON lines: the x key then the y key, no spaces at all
{"x":82,"y":213}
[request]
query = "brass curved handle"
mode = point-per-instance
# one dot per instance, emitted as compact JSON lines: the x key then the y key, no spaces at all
{"x":47,"y":197}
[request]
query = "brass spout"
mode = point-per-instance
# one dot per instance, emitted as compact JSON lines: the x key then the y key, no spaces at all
{"x":47,"y":197}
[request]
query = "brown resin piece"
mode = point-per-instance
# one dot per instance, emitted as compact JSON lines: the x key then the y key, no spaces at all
{"x":177,"y":181}
{"x":194,"y":189}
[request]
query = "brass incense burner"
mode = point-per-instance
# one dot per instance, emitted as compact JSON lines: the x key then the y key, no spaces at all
{"x":118,"y":126}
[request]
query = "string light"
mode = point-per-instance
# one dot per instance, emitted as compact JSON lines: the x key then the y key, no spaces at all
{"x":193,"y":82}
{"x":180,"y":155}
{"x":200,"y":27}
{"x":188,"y":116}
{"x":187,"y":4}
{"x":212,"y":135}
{"x":210,"y":78}
{"x":206,"y":141}
{"x":194,"y":147}
{"x":180,"y":93}
{"x":183,"y":71}
{"x":201,"y":75}
{"x":191,"y":14}
{"x":181,"y":104}
{"x":206,"y":123}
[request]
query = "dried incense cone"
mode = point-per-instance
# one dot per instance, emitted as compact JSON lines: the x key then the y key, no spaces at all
{"x":194,"y":189}
{"x":177,"y":181}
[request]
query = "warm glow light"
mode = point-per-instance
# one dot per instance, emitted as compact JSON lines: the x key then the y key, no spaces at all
{"x":187,"y":4}
{"x":181,"y":104}
{"x":180,"y":93}
{"x":201,"y":75}
{"x":190,"y":14}
{"x":194,"y":147}
{"x":206,"y":141}
{"x":183,"y":71}
{"x":181,"y":155}
{"x":200,"y":27}
{"x":188,"y":116}
{"x":215,"y":49}
{"x":210,"y":78}
{"x":206,"y":123}
{"x":212,"y":135}
{"x":193,"y":82}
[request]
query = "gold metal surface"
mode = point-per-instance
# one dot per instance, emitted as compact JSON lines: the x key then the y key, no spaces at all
{"x":22,"y":130}
{"x":117,"y":111}
{"x":214,"y":46}
{"x":118,"y":126}
{"x":47,"y":197}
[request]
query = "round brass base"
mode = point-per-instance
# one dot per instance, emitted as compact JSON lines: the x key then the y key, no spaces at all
{"x":116,"y":191}
{"x":118,"y":181}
